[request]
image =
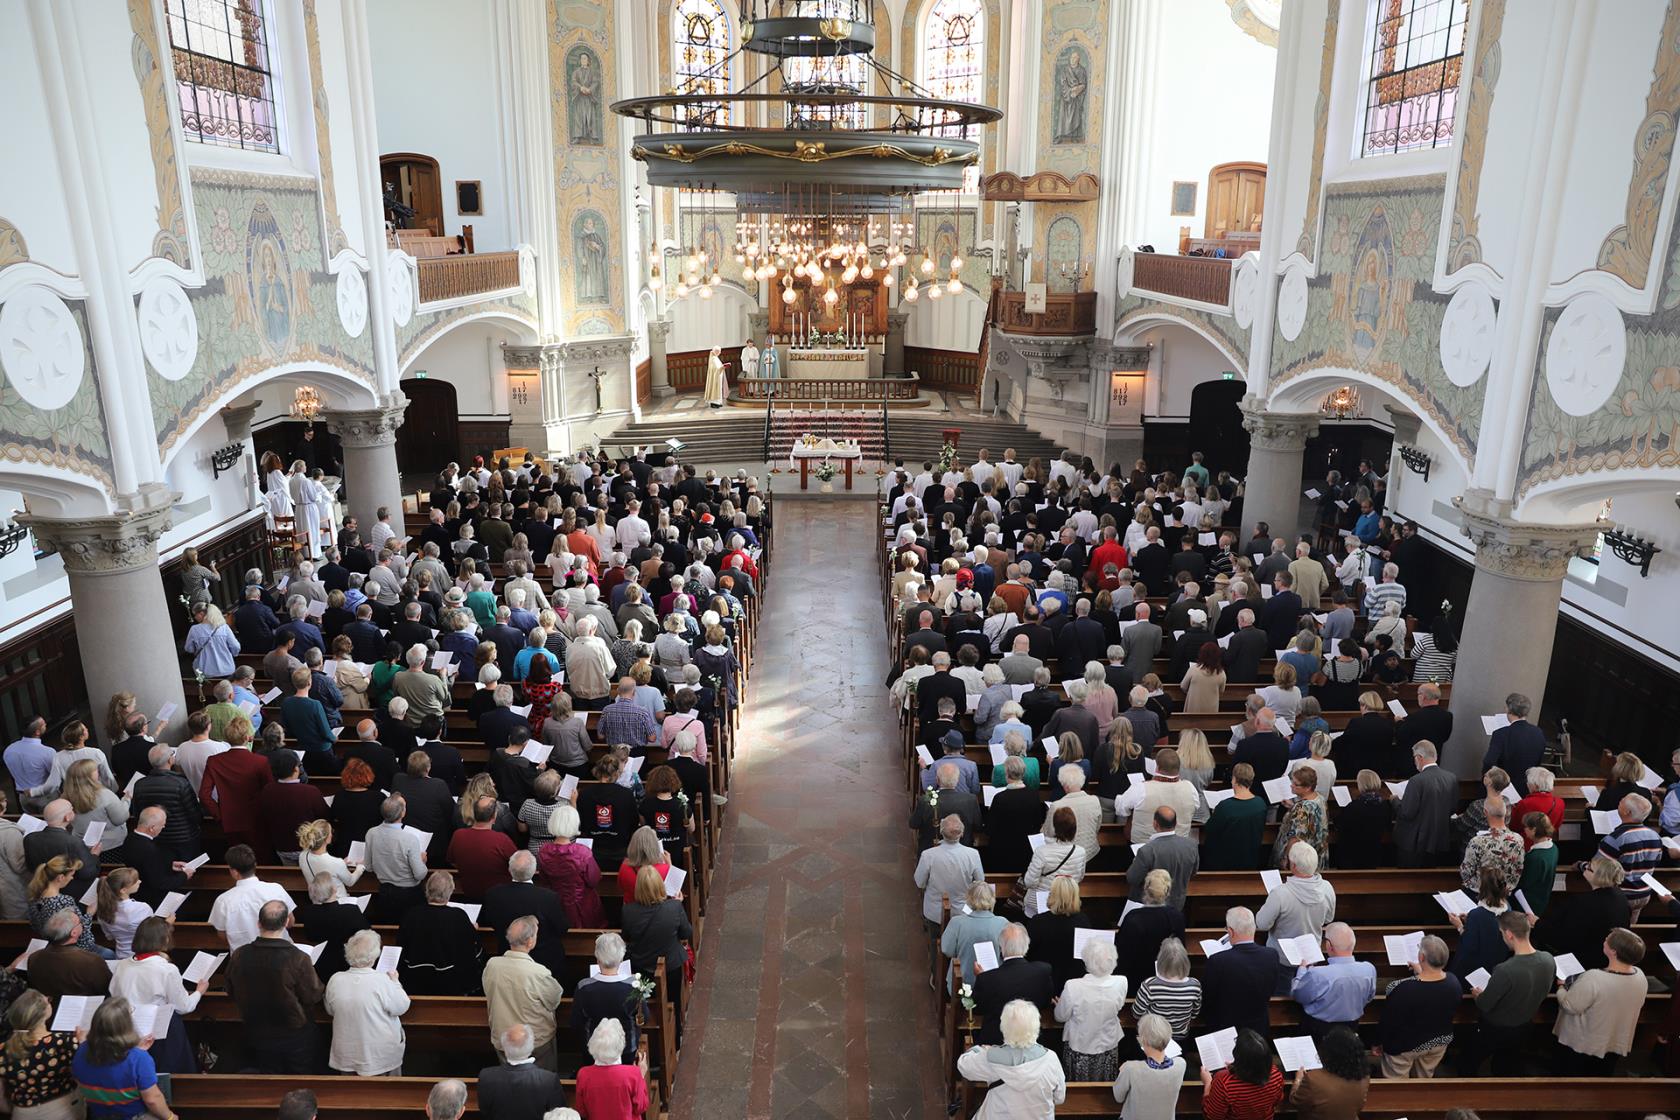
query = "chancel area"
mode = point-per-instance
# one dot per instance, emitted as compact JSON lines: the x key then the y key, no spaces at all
{"x":995,"y":559}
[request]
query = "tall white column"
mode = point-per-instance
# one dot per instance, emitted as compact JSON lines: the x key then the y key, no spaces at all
{"x":121,"y":609}
{"x":1128,"y":139}
{"x":371,"y":477}
{"x":524,"y":100}
{"x":1271,"y":492}
{"x":364,"y":134}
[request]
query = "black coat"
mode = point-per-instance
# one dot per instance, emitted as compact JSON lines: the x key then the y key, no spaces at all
{"x":1267,"y":752}
{"x":1361,"y":825}
{"x":1081,"y":641}
{"x":505,"y":902}
{"x":1014,"y":815}
{"x":938,"y":686}
{"x":1243,"y":654}
{"x":524,"y":1092}
{"x":1280,"y":617}
{"x":47,"y":843}
{"x":1016,"y":978}
{"x":1237,"y":988}
{"x":441,"y":954}
{"x":331,"y":924}
{"x":431,"y":808}
{"x":1433,"y":725}
{"x":1367,"y":743}
{"x":183,"y":832}
{"x":1052,"y":942}
{"x":155,"y":864}
{"x":1139,"y":941}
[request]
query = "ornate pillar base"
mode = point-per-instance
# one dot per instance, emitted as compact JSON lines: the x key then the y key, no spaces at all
{"x":1271,"y":493}
{"x":371,"y":478}
{"x":892,"y":362}
{"x":658,"y":331}
{"x":122,"y":611}
{"x":1510,"y":620}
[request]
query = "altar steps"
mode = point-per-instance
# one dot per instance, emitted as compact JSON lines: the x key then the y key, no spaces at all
{"x":729,"y":439}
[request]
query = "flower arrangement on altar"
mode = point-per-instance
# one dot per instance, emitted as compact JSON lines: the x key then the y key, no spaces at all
{"x":947,"y":455}
{"x":826,"y":471}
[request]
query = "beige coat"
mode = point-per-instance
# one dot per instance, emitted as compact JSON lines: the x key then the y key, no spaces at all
{"x":1598,"y":1013}
{"x":519,"y":990}
{"x":1310,"y":581}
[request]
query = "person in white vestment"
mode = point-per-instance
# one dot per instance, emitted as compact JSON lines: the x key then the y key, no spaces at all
{"x":717,"y":385}
{"x":277,"y":499}
{"x":749,"y":359}
{"x":309,"y":512}
{"x":328,"y":530}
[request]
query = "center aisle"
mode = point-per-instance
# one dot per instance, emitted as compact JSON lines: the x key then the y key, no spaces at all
{"x":812,"y":999}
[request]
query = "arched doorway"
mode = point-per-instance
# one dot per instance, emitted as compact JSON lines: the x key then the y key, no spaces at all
{"x":428,"y":437}
{"x":1216,"y":426}
{"x":412,"y":180}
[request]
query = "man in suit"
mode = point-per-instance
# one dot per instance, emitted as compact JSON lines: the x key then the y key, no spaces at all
{"x":1041,"y":640}
{"x":160,"y":872}
{"x":1518,"y":746}
{"x":520,"y":1089}
{"x":521,"y":897}
{"x":496,"y":725}
{"x":1247,"y":648}
{"x":1019,"y":665}
{"x":1308,"y":576}
{"x":1015,"y":977}
{"x":1081,"y":641}
{"x":1282,"y":612}
{"x":1429,"y":722}
{"x":1150,"y":562}
{"x":431,"y":805}
{"x":253,"y":623}
{"x":56,"y":840}
{"x":1423,"y":820}
{"x":944,"y":802}
{"x":1141,"y":641}
{"x":367,"y":747}
{"x":925,"y":635}
{"x":1179,"y":856}
{"x":1237,"y":984}
{"x":367,"y":644}
{"x":939,"y":685}
{"x":1265,"y":750}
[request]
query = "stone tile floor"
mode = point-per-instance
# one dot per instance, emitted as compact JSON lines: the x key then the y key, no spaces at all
{"x":812,"y":999}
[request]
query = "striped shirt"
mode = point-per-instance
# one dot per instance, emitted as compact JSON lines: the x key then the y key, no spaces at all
{"x":1432,"y":663}
{"x":1176,"y":1001}
{"x":1638,"y":849}
{"x":1230,"y":1099}
{"x":1380,"y":595}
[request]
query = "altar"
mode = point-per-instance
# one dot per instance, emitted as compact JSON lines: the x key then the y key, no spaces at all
{"x":828,"y":363}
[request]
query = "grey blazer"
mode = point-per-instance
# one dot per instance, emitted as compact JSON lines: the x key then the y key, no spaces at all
{"x":1179,"y":856}
{"x":1423,"y":821}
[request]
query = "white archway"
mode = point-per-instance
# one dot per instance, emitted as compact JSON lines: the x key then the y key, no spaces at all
{"x":523,"y":328}
{"x":338,"y":388}
{"x":1579,"y":497}
{"x":1304,"y":393}
{"x":1137,"y":322}
{"x":53,"y":491}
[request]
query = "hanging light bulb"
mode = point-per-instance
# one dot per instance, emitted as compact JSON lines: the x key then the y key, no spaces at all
{"x":682,"y":288}
{"x":955,"y":285}
{"x":716,"y":278}
{"x":886,"y":279}
{"x":655,"y":281}
{"x":740,"y":258}
{"x":706,"y":291}
{"x":850,"y":274}
{"x":831,"y":297}
{"x":789,"y":295}
{"x":927,"y":265}
{"x":956,"y":264}
{"x":867,"y":271}
{"x":911,"y":292}
{"x":693,"y":262}
{"x":935,"y":291}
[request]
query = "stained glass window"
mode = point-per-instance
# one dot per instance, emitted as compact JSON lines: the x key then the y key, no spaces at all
{"x":828,"y":74}
{"x":953,"y":61}
{"x":222,"y":71}
{"x":1416,"y":58}
{"x":701,"y":40}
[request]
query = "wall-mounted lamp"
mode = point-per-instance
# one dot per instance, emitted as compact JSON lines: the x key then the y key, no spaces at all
{"x":1416,"y":460}
{"x":223,"y":458}
{"x":10,"y":537}
{"x":1634,"y":550}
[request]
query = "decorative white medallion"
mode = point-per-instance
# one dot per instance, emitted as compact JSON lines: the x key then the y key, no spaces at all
{"x":352,"y":300}
{"x":1585,"y":353}
{"x":401,"y":283}
{"x":168,"y":328}
{"x":1467,"y":334}
{"x":1292,"y":303}
{"x":41,"y":348}
{"x":1245,"y":292}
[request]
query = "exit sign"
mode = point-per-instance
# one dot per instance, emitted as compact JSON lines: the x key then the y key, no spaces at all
{"x":1228,"y":375}
{"x":421,"y":374}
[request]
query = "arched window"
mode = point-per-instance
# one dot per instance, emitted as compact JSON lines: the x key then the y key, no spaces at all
{"x":223,"y":72}
{"x":827,"y":74}
{"x":702,"y":38}
{"x":1414,"y":60}
{"x":953,"y":51}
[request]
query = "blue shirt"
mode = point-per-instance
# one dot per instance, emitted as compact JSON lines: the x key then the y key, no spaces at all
{"x":1304,"y":664}
{"x":522,"y":661}
{"x":968,"y":774}
{"x":1004,"y":727}
{"x":30,"y":762}
{"x":245,"y":695}
{"x":1337,"y":990}
{"x":1367,"y":527}
{"x":1669,"y":821}
{"x":114,"y":1090}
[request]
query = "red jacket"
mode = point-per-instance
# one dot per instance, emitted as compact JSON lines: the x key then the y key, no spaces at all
{"x":233,"y":780}
{"x":1109,"y":552}
{"x":480,"y":856}
{"x":281,"y":808}
{"x":1547,"y":803}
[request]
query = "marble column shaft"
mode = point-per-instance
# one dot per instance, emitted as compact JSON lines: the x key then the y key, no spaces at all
{"x":1272,"y":490}
{"x":371,"y":477}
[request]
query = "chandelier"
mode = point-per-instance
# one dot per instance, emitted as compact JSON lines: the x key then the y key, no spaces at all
{"x":1340,"y":402}
{"x":306,"y":403}
{"x":821,"y":177}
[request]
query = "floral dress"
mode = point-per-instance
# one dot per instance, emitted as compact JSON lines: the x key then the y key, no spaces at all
{"x":539,"y":696}
{"x":1304,"y":821}
{"x":42,"y":910}
{"x":42,"y":1074}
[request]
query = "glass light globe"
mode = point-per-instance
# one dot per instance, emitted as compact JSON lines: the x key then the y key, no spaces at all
{"x":867,"y":271}
{"x":789,"y":295}
{"x":831,"y":297}
{"x":682,"y":288}
{"x":927,"y":266}
{"x":911,"y":293}
{"x":716,"y":278}
{"x":956,"y":264}
{"x":935,"y":291}
{"x":693,"y":262}
{"x":706,"y":291}
{"x":954,"y":286}
{"x":850,"y":274}
{"x":886,"y":279}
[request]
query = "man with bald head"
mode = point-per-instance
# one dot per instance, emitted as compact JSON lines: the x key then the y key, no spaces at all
{"x":1142,"y":642}
{"x":1334,"y":992}
{"x":160,"y":870}
{"x":382,"y":760}
{"x":57,"y":840}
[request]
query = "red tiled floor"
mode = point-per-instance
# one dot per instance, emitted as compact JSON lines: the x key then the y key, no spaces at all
{"x":812,"y":998}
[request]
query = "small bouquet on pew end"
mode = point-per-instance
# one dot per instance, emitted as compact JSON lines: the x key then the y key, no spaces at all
{"x":644,"y":986}
{"x":965,"y":995}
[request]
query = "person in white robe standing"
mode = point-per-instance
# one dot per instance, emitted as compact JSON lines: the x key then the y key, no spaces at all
{"x":717,"y":385}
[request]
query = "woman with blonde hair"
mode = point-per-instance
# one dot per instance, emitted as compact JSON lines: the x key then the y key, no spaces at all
{"x":1051,"y":930}
{"x":1283,"y":697}
{"x":352,"y":681}
{"x":35,"y":1071}
{"x":975,"y":922}
{"x":117,"y":711}
{"x":1195,"y":765}
{"x":94,"y":801}
{"x":211,"y":642}
{"x":47,"y":899}
{"x":481,"y":785}
{"x":1117,"y":755}
{"x":118,"y":911}
{"x":314,"y":859}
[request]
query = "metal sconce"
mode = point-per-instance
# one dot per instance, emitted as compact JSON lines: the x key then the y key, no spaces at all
{"x":1416,"y":460}
{"x":10,"y":537}
{"x":1634,"y":550}
{"x":223,"y":458}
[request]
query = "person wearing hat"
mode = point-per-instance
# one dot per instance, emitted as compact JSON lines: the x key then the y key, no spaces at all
{"x":968,"y":774}
{"x":1187,"y":645}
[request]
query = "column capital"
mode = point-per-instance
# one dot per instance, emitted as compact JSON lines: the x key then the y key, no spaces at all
{"x":1277,"y":431}
{"x":897,"y":318}
{"x":368,"y":427}
{"x":602,"y":349}
{"x":758,"y":324}
{"x":660,"y":329}
{"x":1407,"y":425}
{"x":101,"y":546}
{"x":237,"y":420}
{"x":1521,"y":550}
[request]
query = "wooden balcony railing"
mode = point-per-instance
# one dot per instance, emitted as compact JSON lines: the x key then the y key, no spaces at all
{"x":1204,"y":279}
{"x":953,"y":370}
{"x":467,"y":274}
{"x":1064,"y":313}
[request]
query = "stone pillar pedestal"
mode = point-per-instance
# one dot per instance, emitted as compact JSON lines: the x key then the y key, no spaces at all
{"x":1272,"y":491}
{"x":529,"y":377}
{"x":121,"y":608}
{"x":892,"y":362}
{"x":1510,"y":620}
{"x":371,"y":478}
{"x":658,"y":331}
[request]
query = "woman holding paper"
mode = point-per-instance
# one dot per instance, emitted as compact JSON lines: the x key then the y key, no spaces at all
{"x":1025,"y":1079}
{"x":568,"y":868}
{"x":352,"y":679}
{"x":112,"y":1066}
{"x":1204,"y":681}
{"x":1052,"y":932}
{"x":151,"y":980}
{"x":644,"y":851}
{"x":211,"y":642}
{"x":47,"y":897}
{"x":366,"y":1009}
{"x":1148,"y":1089}
{"x":1250,"y":1088}
{"x":355,"y":809}
{"x":94,"y":804}
{"x":1060,"y":857}
{"x":1598,"y":1011}
{"x":1305,"y":821}
{"x":1338,"y":1089}
{"x":1090,"y":1005}
{"x":657,"y":933}
{"x":314,"y":858}
{"x":118,"y":911}
{"x":35,"y":1064}
{"x":1479,"y":942}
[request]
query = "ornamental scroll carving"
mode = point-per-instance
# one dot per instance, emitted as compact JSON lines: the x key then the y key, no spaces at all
{"x":1534,"y":553}
{"x":1276,"y":431}
{"x":103,"y":545}
{"x":368,"y":427}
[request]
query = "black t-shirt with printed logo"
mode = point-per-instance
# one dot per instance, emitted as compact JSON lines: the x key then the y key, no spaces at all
{"x":668,"y":819}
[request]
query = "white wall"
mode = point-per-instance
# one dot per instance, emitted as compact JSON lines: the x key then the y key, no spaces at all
{"x":469,"y":357}
{"x":31,"y":191}
{"x":434,"y":82}
{"x":1186,"y":361}
{"x":951,"y":322}
{"x":700,"y":324}
{"x":1214,"y":105}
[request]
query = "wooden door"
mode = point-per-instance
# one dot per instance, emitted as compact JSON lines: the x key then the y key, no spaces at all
{"x":1236,"y":198}
{"x":428,"y":437}
{"x":414,"y":181}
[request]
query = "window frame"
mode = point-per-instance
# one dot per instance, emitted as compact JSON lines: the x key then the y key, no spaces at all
{"x":728,"y":55}
{"x":924,"y":58}
{"x":1367,"y":57}
{"x":276,"y":75}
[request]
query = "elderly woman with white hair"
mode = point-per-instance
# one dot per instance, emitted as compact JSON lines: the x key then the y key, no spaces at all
{"x":1090,"y":1006}
{"x":1390,"y":623}
{"x":366,"y":1009}
{"x":671,"y":649}
{"x":974,"y":921}
{"x":598,"y":998}
{"x":1148,"y":1089}
{"x":610,"y":1088}
{"x":1024,"y":1079}
{"x":994,"y":694}
{"x":589,"y":666}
